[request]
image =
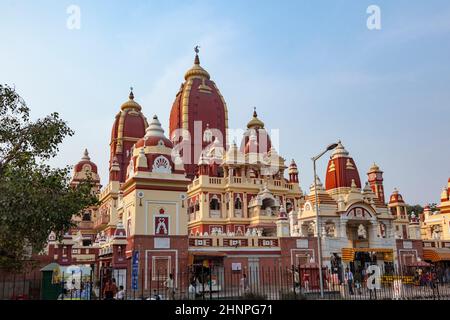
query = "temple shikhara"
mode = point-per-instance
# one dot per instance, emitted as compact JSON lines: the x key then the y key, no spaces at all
{"x":189,"y":197}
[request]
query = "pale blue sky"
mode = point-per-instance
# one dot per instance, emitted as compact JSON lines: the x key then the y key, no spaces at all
{"x":312,"y":69}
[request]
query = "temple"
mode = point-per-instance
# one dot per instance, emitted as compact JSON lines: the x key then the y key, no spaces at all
{"x":192,"y":199}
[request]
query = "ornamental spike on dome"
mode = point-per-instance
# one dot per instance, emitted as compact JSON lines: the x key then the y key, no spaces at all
{"x":131,"y":104}
{"x":131,"y":95}
{"x":255,"y":122}
{"x":86,"y":155}
{"x":197,"y":70}
{"x":293,"y":167}
{"x":339,"y":151}
{"x":154,"y":129}
{"x":374,"y":168}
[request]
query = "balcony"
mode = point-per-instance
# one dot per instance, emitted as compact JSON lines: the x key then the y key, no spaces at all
{"x":101,"y":221}
{"x":85,"y":225}
{"x":241,"y":181}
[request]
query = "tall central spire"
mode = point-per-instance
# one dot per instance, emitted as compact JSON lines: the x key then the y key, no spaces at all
{"x":199,"y":101}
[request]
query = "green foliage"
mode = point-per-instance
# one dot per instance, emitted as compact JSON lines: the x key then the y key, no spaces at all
{"x":417,"y":209}
{"x":35,"y":199}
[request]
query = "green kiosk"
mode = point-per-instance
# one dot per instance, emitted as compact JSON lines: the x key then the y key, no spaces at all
{"x":51,"y":282}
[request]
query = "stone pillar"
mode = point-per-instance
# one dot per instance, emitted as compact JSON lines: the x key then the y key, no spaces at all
{"x":282,"y":228}
{"x":373,"y":232}
{"x":292,"y":221}
{"x":343,"y":228}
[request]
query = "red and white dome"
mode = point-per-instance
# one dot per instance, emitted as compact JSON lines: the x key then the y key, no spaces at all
{"x":85,"y":169}
{"x":293,"y":168}
{"x":154,"y":135}
{"x":256,"y":139}
{"x":198,"y":101}
{"x":153,"y":153}
{"x":396,"y":197}
{"x":129,"y":126}
{"x":341,"y":170}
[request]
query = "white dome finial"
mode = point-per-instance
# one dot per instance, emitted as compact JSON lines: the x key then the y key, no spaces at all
{"x":86,"y":155}
{"x":154,"y":128}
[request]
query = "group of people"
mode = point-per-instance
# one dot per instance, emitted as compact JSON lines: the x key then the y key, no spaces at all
{"x":112,"y":292}
{"x":428,"y":278}
{"x":355,"y":281}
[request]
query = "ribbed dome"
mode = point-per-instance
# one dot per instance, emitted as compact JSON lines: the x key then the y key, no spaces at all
{"x":85,"y":160}
{"x":198,"y":103}
{"x":396,"y":197}
{"x":196,"y":70}
{"x":153,"y":135}
{"x":293,"y":167}
{"x":374,"y":168}
{"x":256,"y":139}
{"x":339,"y":151}
{"x":129,"y":126}
{"x":131,"y":104}
{"x":154,"y":128}
{"x":341,"y":170}
{"x":255,"y":122}
{"x":85,"y":169}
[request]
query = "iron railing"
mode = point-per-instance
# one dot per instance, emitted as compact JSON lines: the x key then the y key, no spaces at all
{"x":200,"y":283}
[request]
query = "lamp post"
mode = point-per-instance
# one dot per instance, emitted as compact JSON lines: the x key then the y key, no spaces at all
{"x":316,"y":196}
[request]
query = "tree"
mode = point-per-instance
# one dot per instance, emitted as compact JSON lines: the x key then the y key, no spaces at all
{"x":35,"y":199}
{"x":417,"y":209}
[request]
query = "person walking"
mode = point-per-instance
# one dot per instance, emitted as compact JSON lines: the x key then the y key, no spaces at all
{"x":296,"y":279}
{"x":244,"y":284}
{"x":120,"y":294}
{"x":110,"y":290}
{"x":447,"y":275}
{"x":170,"y":288}
{"x":348,"y":277}
{"x":358,"y":281}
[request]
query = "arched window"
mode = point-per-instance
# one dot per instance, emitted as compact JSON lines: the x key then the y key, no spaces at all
{"x":86,"y":216}
{"x":288,"y":206}
{"x":214,"y":203}
{"x":238,"y":203}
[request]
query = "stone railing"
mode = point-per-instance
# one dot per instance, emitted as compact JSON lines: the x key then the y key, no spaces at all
{"x":214,"y":213}
{"x":214,"y":181}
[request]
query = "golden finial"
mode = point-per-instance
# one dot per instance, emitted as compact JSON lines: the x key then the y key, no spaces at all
{"x":254,"y":112}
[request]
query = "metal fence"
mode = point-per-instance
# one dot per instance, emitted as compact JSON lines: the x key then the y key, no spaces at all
{"x":200,"y":283}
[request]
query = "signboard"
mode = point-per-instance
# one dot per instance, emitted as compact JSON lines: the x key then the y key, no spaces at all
{"x":302,"y":243}
{"x":407,"y":244}
{"x":135,"y":270}
{"x":236,"y":266}
{"x":162,"y":243}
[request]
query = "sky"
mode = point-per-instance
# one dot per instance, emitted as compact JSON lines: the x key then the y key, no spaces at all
{"x":312,"y":69}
